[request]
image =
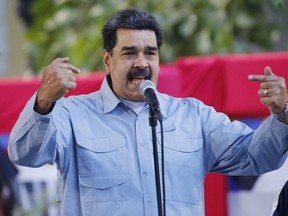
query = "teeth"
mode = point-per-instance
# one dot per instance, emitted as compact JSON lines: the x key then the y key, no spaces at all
{"x":137,"y":80}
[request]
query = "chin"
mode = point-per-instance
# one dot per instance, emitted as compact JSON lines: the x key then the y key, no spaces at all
{"x":137,"y":98}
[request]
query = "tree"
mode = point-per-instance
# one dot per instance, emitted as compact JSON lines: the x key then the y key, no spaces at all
{"x":191,"y":27}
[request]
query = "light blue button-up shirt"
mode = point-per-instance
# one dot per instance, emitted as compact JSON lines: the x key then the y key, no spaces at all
{"x":104,"y":153}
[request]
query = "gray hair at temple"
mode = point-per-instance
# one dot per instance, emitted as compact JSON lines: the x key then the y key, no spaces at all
{"x":129,"y":19}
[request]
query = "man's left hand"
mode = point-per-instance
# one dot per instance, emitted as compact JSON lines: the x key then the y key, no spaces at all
{"x":272,"y":92}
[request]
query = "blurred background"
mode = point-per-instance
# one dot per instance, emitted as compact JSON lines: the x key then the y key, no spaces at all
{"x":34,"y":32}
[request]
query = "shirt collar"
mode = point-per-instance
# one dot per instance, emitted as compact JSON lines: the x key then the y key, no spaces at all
{"x":163,"y":100}
{"x":110,"y":101}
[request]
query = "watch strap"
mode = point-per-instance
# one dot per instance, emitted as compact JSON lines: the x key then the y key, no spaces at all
{"x":283,"y":114}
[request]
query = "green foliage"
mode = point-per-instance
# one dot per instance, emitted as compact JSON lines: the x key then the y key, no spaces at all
{"x":191,"y":27}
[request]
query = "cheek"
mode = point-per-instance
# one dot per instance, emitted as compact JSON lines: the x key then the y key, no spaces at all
{"x":119,"y":82}
{"x":155,"y":73}
{"x":120,"y":71}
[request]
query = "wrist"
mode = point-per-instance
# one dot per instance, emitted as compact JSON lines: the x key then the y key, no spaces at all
{"x":284,"y":120}
{"x":283,"y":116}
{"x":42,"y":106}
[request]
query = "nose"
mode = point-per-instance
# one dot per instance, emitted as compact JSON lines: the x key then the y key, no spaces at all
{"x":140,"y":62}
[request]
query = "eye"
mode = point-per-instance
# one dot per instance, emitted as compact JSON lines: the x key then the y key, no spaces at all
{"x":150,"y":53}
{"x":129,"y":53}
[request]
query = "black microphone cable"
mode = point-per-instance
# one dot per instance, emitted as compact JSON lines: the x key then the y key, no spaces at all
{"x":163,"y":169}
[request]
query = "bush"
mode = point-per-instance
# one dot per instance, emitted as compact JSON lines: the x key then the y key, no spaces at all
{"x":191,"y":27}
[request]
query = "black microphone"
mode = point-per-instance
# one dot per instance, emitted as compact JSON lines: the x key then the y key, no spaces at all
{"x":147,"y":89}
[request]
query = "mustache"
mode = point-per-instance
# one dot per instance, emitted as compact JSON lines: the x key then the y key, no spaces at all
{"x":137,"y":73}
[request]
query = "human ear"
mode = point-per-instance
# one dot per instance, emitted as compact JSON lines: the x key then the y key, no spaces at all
{"x":106,"y":60}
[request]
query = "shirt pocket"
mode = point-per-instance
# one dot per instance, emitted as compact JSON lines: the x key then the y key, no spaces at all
{"x":101,"y":155}
{"x":103,"y":168}
{"x":183,"y":168}
{"x":103,"y":187}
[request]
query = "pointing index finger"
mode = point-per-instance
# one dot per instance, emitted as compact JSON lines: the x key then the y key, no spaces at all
{"x":262,"y":78}
{"x":259,"y":78}
{"x":267,"y":76}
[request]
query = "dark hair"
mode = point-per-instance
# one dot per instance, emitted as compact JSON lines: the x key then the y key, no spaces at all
{"x":129,"y":19}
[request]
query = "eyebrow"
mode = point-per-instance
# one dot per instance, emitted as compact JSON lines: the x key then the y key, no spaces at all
{"x":129,"y":48}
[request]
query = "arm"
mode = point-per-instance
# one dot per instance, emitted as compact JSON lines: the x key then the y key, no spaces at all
{"x":27,"y":135}
{"x":33,"y":139}
{"x":235,"y":149}
{"x":252,"y":153}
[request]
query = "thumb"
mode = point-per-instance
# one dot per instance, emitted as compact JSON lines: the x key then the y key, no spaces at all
{"x":268,"y":71}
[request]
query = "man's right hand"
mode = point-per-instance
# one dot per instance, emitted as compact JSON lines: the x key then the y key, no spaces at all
{"x":58,"y":78}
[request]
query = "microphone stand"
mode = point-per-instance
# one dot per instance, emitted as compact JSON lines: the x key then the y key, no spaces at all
{"x":153,"y":124}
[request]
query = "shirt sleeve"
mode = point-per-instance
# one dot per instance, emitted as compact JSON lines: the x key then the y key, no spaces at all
{"x":235,"y":149}
{"x":34,"y":139}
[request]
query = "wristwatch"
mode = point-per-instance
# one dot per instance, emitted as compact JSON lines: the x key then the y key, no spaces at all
{"x":283,"y":114}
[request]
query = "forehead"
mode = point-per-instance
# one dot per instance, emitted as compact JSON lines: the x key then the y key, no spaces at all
{"x":137,"y":38}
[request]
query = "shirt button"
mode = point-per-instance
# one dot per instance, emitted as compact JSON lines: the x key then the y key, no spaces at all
{"x":143,"y":143}
{"x":149,"y":200}
{"x":146,"y":172}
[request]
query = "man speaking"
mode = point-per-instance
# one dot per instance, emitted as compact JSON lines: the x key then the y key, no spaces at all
{"x":102,"y":142}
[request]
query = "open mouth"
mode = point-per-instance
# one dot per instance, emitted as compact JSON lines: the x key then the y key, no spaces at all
{"x":138,"y":80}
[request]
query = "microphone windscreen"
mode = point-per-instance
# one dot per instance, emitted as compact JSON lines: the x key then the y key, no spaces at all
{"x":146,"y":84}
